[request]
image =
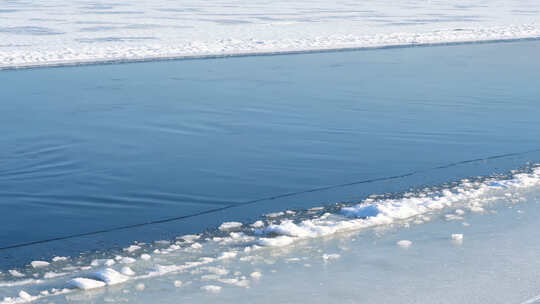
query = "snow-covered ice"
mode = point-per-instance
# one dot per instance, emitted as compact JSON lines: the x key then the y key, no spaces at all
{"x":36,"y":33}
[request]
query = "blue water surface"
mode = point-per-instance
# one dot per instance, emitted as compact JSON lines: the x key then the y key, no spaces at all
{"x":94,"y":148}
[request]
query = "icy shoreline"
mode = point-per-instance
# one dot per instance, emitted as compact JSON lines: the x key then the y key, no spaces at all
{"x":228,"y":48}
{"x":208,"y":254}
{"x":69,"y":33}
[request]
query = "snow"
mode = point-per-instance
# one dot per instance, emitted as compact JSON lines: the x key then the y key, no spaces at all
{"x":69,"y":32}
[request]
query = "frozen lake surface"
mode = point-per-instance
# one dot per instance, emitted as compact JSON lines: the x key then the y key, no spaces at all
{"x":36,"y":33}
{"x":329,"y":177}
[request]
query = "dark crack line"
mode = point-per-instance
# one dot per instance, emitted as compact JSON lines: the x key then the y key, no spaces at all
{"x":290,"y":194}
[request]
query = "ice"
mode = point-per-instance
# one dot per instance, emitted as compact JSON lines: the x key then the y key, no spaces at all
{"x":127,"y":260}
{"x":16,"y":273}
{"x":190,"y":237}
{"x":39,"y":264}
{"x":227,"y":255}
{"x":230,"y":225}
{"x":256,"y":275}
{"x":216,"y":270}
{"x":331,"y":256}
{"x":211,"y":288}
{"x":127,"y":271}
{"x":404,"y":243}
{"x":457,"y":238}
{"x":109,"y":276}
{"x":277,"y":241}
{"x":132,"y":248}
{"x":102,"y":262}
{"x":258,"y":224}
{"x":275,"y":214}
{"x":85,"y":283}
{"x":67,"y":32}
{"x":145,"y":257}
{"x":51,"y":274}
{"x":351,"y":244}
{"x":59,"y":259}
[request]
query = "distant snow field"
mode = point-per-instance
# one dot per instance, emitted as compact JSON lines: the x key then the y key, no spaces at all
{"x":37,"y":33}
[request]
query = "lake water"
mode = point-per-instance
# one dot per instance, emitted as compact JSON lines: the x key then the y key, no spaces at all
{"x":88,"y":150}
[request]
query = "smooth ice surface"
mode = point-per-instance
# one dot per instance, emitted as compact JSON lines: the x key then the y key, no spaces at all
{"x":34,"y":33}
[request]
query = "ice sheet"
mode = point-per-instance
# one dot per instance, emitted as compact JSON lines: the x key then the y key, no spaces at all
{"x":70,"y":32}
{"x":336,"y":238}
